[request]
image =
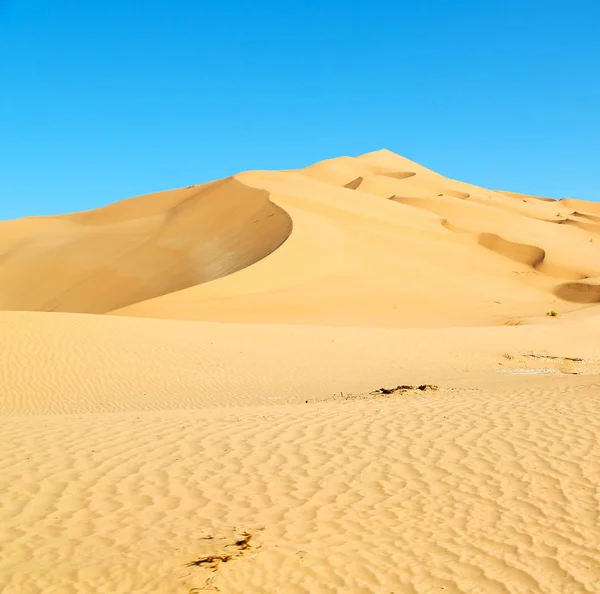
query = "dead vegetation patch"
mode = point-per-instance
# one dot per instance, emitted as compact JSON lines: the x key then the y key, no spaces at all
{"x":544,"y":363}
{"x":213,"y":559}
{"x":406,"y":388}
{"x":554,"y":358}
{"x":243,"y":543}
{"x":512,"y":322}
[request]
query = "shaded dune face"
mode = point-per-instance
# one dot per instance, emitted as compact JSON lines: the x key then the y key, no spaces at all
{"x":354,"y":184}
{"x":137,"y":249}
{"x":527,"y":254}
{"x":530,"y":255}
{"x":583,"y":292}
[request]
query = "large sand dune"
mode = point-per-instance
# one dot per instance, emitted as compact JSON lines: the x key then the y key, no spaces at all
{"x":377,"y":240}
{"x":224,"y":428}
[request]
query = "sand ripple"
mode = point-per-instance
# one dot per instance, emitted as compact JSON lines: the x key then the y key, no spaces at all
{"x":457,"y":492}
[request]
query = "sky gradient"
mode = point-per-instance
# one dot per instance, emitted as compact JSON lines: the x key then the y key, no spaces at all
{"x":100,"y":101}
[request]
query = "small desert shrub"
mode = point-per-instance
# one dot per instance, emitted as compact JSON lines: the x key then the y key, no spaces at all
{"x":552,"y":313}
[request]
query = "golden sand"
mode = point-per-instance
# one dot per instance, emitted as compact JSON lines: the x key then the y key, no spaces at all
{"x":223,"y":428}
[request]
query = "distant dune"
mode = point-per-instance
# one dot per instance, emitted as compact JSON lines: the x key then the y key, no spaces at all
{"x":336,"y":379}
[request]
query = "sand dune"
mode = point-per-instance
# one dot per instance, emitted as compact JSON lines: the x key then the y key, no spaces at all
{"x":334,"y":379}
{"x":347,"y":243}
{"x":137,"y":249}
{"x":153,"y":256}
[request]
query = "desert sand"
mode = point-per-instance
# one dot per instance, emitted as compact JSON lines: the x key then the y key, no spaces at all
{"x":335,"y":379}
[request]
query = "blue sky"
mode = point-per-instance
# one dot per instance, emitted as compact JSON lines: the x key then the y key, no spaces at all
{"x":104,"y":100}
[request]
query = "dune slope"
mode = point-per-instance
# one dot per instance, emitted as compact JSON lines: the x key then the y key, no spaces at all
{"x":140,"y":248}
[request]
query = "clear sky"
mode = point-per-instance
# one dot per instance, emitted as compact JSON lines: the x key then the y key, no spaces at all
{"x":102,"y":100}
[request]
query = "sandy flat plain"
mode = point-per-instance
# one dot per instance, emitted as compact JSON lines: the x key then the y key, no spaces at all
{"x":335,"y":379}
